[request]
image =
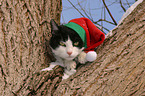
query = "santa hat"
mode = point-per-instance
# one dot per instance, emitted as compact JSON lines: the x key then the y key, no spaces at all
{"x":89,"y":33}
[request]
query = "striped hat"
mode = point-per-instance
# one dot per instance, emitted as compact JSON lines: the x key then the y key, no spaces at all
{"x":89,"y":33}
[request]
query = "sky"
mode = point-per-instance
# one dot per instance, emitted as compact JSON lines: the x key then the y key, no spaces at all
{"x":95,"y":10}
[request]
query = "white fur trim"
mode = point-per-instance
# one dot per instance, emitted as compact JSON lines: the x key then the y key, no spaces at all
{"x":91,"y":56}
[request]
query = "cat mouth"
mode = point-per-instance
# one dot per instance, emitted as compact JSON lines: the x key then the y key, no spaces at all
{"x":70,"y":57}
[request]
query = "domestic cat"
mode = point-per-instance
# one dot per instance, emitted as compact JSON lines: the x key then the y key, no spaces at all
{"x":66,"y":46}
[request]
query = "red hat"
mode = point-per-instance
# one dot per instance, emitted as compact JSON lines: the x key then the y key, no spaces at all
{"x":89,"y":33}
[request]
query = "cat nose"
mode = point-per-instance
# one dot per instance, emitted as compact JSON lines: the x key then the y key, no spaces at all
{"x":69,"y":53}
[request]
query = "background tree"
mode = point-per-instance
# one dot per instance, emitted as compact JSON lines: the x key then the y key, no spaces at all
{"x":120,"y":67}
{"x":118,"y":70}
{"x":103,"y":13}
{"x":24,"y":27}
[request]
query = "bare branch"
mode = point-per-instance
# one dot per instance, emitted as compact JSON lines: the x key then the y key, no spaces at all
{"x":104,"y":7}
{"x":75,"y":7}
{"x":105,"y":21}
{"x":102,"y":18}
{"x":122,"y":6}
{"x":128,"y":3}
{"x":89,"y":12}
{"x":109,"y":12}
{"x":85,"y":11}
{"x":102,"y":27}
{"x":67,"y":8}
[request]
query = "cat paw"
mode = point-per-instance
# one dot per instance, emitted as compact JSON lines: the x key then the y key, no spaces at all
{"x":82,"y":58}
{"x":49,"y":68}
{"x":73,"y":65}
{"x":52,"y":65}
{"x":65,"y":76}
{"x":70,"y":65}
{"x":68,"y":73}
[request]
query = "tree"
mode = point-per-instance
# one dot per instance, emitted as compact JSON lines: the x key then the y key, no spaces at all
{"x":120,"y":67}
{"x":24,"y":29}
{"x":118,"y":70}
{"x":100,"y":12}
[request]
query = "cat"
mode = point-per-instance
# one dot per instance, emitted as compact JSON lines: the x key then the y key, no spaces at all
{"x":66,"y":46}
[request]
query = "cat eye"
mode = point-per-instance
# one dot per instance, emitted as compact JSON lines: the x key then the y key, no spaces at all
{"x":62,"y":44}
{"x":76,"y":43}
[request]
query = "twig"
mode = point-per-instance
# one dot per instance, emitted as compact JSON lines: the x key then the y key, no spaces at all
{"x":102,"y":27}
{"x":102,"y":17}
{"x":122,"y":6}
{"x":84,"y":11}
{"x":105,"y":21}
{"x":75,"y":8}
{"x":109,"y":12}
{"x":128,"y":3}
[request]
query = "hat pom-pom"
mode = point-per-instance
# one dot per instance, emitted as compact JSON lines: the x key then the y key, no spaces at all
{"x":91,"y":56}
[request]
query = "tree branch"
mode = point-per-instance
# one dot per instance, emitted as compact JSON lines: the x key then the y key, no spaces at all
{"x":122,"y":6}
{"x":105,"y":21}
{"x":109,"y":12}
{"x":84,"y":10}
{"x":128,"y":3}
{"x":75,"y":7}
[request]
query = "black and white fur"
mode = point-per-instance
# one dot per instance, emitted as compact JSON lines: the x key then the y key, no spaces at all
{"x":66,"y":45}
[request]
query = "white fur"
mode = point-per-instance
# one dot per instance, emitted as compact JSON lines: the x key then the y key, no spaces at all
{"x":82,"y":57}
{"x":61,"y":51}
{"x":70,"y":68}
{"x":91,"y":56}
{"x":65,"y":60}
{"x":52,"y":65}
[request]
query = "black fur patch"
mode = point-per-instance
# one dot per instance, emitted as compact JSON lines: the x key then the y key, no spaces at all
{"x":62,"y":34}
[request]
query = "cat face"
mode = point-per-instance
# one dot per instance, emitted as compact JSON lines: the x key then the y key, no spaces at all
{"x":65,"y":42}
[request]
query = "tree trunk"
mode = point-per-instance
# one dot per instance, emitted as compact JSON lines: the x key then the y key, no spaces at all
{"x":118,"y":71}
{"x":120,"y":67}
{"x":24,"y":32}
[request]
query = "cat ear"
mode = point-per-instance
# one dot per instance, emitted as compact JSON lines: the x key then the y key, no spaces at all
{"x":54,"y":26}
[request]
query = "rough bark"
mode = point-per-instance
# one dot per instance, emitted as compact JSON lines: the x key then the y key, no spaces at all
{"x":24,"y":30}
{"x":120,"y":67}
{"x":118,"y":71}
